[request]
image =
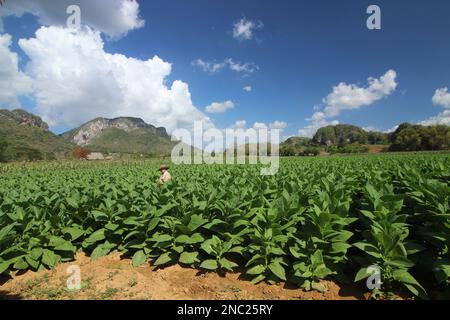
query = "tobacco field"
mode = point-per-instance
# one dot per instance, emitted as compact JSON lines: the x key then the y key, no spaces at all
{"x":318,"y":218}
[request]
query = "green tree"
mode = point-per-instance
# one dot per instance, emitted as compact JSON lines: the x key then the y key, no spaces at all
{"x":340,"y":134}
{"x":325,"y":136}
{"x":287,"y":151}
{"x":409,"y":140}
{"x":310,"y":152}
{"x":417,"y":138}
{"x":401,"y":127}
{"x":435,"y":137}
{"x":377,"y":138}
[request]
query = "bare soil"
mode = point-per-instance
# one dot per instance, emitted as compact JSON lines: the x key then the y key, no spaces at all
{"x":114,"y":278}
{"x":377,"y":148}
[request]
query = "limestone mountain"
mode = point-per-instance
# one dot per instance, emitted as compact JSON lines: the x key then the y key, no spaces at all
{"x":339,"y":135}
{"x":25,"y":136}
{"x":121,"y":135}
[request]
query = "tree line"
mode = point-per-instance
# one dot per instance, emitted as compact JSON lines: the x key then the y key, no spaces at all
{"x":352,"y":139}
{"x":410,"y":137}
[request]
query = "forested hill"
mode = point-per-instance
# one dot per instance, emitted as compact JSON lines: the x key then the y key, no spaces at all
{"x":24,"y":136}
{"x":345,"y":138}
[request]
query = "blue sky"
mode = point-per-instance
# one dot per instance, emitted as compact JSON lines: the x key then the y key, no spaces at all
{"x":300,"y":50}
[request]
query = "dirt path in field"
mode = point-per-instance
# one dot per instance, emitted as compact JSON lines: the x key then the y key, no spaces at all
{"x":113,"y":277}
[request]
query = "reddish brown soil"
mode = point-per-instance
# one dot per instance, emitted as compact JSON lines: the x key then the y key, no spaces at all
{"x":376,"y":148}
{"x":114,"y":277}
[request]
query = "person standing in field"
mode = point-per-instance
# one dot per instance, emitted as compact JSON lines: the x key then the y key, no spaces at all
{"x":165,"y":175}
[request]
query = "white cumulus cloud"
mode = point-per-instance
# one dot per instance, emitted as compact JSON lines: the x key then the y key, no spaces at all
{"x":75,"y":80}
{"x":442,"y":98}
{"x":259,"y":126}
{"x":372,"y":129}
{"x":244,"y":29}
{"x":115,"y":18}
{"x":13,"y":82}
{"x":280,"y":125}
{"x":240,"y":124}
{"x":248,"y":88}
{"x":349,"y":97}
{"x":220,"y":107}
{"x":441,"y":118}
{"x":309,"y":130}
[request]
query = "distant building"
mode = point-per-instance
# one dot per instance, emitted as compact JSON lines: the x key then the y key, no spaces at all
{"x":95,"y":156}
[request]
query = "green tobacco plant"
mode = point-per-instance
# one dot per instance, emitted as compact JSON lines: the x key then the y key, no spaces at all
{"x":320,"y":246}
{"x":179,"y":240}
{"x":139,"y":232}
{"x":219,"y":249}
{"x":386,"y":242}
{"x":266,"y":249}
{"x":429,"y":201}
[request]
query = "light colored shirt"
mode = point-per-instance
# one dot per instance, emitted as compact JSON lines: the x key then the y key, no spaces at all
{"x":165,"y":177}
